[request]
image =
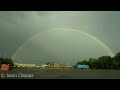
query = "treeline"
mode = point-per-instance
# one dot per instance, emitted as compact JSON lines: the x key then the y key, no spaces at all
{"x":104,"y":62}
{"x":7,"y":61}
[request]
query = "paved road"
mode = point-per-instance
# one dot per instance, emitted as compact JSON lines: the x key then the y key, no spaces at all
{"x":66,"y":74}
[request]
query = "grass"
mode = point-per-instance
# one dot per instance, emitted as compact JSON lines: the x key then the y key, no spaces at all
{"x":62,"y":74}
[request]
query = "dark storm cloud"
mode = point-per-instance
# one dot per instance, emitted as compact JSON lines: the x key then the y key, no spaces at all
{"x":17,"y":27}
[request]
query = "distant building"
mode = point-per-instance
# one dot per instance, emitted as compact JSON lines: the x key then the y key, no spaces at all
{"x":24,"y":65}
{"x":55,"y":65}
{"x":41,"y":66}
{"x":30,"y":65}
{"x":48,"y":65}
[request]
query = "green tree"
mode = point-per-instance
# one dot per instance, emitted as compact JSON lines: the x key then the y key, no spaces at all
{"x":103,"y":62}
{"x":92,"y":62}
{"x":116,"y":61}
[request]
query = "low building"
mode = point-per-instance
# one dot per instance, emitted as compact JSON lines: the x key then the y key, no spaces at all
{"x":55,"y":65}
{"x":24,"y":65}
{"x":30,"y":65}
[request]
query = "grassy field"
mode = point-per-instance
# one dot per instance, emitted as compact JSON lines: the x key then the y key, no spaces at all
{"x":32,"y":73}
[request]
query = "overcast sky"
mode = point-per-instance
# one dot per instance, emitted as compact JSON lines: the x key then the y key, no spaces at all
{"x":61,"y":45}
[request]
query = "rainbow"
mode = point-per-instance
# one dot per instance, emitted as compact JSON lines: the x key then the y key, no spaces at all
{"x":67,"y":29}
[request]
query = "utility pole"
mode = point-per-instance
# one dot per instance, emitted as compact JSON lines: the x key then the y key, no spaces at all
{"x":0,"y":52}
{"x":68,"y":63}
{"x":4,"y":55}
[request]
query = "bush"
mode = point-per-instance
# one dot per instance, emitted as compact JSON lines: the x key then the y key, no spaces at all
{"x":7,"y":61}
